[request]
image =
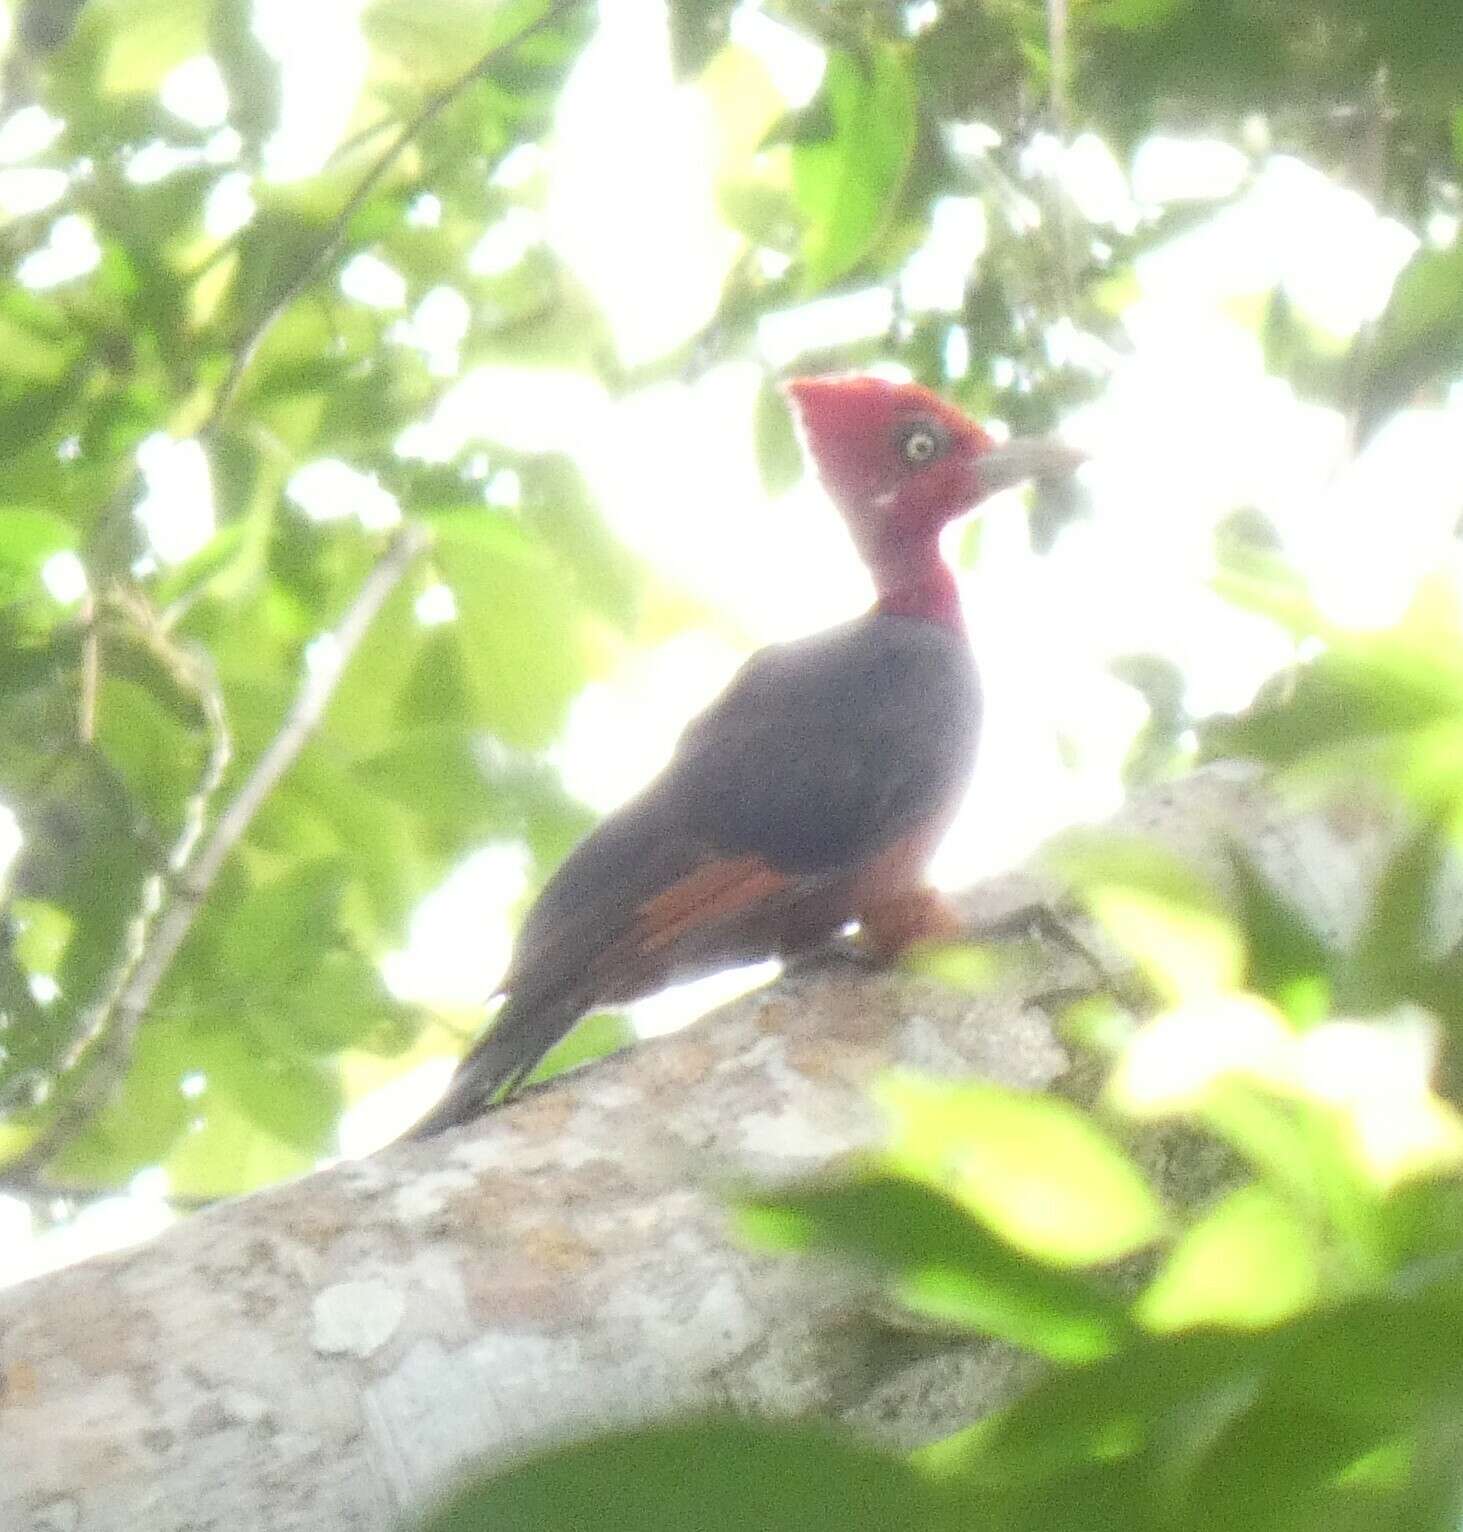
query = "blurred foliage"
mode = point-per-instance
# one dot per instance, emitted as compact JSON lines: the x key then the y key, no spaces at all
{"x":244,"y":342}
{"x":1282,"y":1355}
{"x":1384,"y":706}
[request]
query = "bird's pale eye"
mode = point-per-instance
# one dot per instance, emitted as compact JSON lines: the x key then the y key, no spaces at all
{"x":920,"y":444}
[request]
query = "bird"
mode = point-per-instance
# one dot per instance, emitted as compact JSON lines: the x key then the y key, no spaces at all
{"x":811,"y":793}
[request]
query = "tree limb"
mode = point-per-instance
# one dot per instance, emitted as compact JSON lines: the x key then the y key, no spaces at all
{"x":322,"y":1356}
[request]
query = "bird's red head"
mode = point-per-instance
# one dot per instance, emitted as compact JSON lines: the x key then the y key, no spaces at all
{"x":900,"y":463}
{"x":894,"y":456}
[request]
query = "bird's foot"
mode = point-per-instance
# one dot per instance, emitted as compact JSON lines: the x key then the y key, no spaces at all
{"x":1079,"y":968}
{"x":923,"y":916}
{"x":1058,"y":930}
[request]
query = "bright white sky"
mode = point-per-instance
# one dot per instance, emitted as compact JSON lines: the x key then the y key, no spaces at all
{"x":1188,"y":428}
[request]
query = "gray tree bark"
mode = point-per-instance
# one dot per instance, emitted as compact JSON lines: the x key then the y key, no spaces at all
{"x":328,"y":1354}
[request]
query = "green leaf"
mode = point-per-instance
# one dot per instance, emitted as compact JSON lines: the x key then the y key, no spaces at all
{"x":698,"y":29}
{"x":40,"y":933}
{"x":1286,"y":961}
{"x":266,"y":924}
{"x":1302,"y":1153}
{"x":1094,"y":859}
{"x":435,"y":771}
{"x":847,"y":180}
{"x":141,"y":737}
{"x":145,"y":1119}
{"x":778,"y":454}
{"x":1203,"y":1429}
{"x":1316,"y":363}
{"x":231,"y":554}
{"x":710,"y":1475}
{"x":321,"y":805}
{"x":1135,"y":15}
{"x":144,"y":39}
{"x":366,"y":709}
{"x":1247,"y":1263}
{"x":517,"y":628}
{"x":1032,"y":1167}
{"x":559,"y":509}
{"x":1158,"y":748}
{"x":1186,"y":953}
{"x":28,"y":538}
{"x":1155,"y":905}
{"x":428,"y":40}
{"x":957,"y":965}
{"x":226,"y":1154}
{"x":595,"y":1037}
{"x":1390,"y":705}
{"x":439,"y":693}
{"x":33,"y":349}
{"x":31,"y":415}
{"x":339,"y":1001}
{"x":944,"y":1262}
{"x":1418,"y":341}
{"x":277,"y":247}
{"x":250,"y":73}
{"x":1154,"y":1390}
{"x":1348,"y":1384}
{"x":1395,"y":957}
{"x":1394,"y":941}
{"x":295,"y":1101}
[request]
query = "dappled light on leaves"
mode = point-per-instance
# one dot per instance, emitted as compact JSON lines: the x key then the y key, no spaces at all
{"x":1379,"y":1077}
{"x":1247,"y":1262}
{"x":1037,"y":1170}
{"x":1184,"y":951}
{"x":1177,"y":1060}
{"x":1374,"y":1077}
{"x":946,"y":1265}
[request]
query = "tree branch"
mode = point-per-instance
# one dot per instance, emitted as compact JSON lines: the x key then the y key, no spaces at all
{"x":324,"y":1354}
{"x":108,"y":1029}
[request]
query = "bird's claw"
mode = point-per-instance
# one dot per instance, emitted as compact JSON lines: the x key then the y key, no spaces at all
{"x":1042,"y":924}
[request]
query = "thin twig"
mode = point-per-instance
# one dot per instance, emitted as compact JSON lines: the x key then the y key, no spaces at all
{"x":106,"y":1039}
{"x":428,"y":112}
{"x":90,"y":669}
{"x":1056,"y":38}
{"x":194,"y":676}
{"x":316,"y":690}
{"x":1370,"y":172}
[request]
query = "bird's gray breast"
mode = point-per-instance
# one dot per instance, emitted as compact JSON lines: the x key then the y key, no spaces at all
{"x":823,"y":751}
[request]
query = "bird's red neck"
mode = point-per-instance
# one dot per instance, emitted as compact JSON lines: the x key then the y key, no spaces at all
{"x":920,"y":584}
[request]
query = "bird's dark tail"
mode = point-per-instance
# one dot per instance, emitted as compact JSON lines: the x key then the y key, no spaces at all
{"x":502,"y":1059}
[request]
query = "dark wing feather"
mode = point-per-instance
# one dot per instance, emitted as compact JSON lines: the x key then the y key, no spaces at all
{"x":642,"y":848}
